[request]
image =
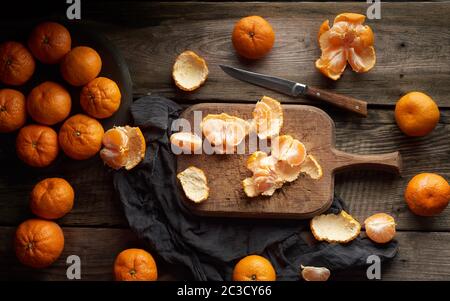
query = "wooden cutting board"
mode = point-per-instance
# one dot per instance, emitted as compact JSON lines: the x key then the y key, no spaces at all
{"x":300,"y":199}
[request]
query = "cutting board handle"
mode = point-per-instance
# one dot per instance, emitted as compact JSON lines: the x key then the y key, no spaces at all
{"x":389,"y":162}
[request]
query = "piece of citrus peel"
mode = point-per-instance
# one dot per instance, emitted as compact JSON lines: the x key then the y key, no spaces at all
{"x":267,"y":118}
{"x":287,"y":161}
{"x":348,"y":40}
{"x":123,"y":146}
{"x":190,"y":71}
{"x":194,"y":183}
{"x":335,"y":228}
{"x":224,"y":130}
{"x":187,"y":142}
{"x":310,"y":273}
{"x":380,"y":228}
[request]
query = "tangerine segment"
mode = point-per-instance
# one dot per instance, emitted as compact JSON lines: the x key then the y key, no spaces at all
{"x":223,"y":129}
{"x":310,"y":273}
{"x":286,"y":148}
{"x":350,"y":18}
{"x":380,"y":227}
{"x":267,"y":118}
{"x":123,"y":147}
{"x":189,"y":71}
{"x":187,"y":142}
{"x":348,"y":40}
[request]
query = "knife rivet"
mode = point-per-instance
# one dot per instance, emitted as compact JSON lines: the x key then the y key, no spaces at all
{"x":357,"y":107}
{"x":318,"y":94}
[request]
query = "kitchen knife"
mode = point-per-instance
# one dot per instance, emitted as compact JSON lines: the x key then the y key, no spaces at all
{"x":295,"y":89}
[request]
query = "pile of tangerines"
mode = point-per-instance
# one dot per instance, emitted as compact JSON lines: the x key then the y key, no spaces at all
{"x":40,"y":241}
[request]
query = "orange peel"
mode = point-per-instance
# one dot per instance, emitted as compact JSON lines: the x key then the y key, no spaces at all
{"x":190,"y":71}
{"x":335,"y":228}
{"x":348,"y":40}
{"x":194,"y":183}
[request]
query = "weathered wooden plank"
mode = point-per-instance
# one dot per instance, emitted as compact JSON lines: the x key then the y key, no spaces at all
{"x":412,"y":43}
{"x":421,"y":257}
{"x":96,"y":247}
{"x":365,"y":192}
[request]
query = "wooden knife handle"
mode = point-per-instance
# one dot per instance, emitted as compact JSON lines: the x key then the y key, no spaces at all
{"x":389,"y":162}
{"x":345,"y":102}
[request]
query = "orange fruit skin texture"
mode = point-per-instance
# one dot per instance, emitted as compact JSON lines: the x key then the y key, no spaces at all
{"x":16,"y":64}
{"x":49,"y":103}
{"x":81,"y":65}
{"x":254,"y":268}
{"x":100,"y":98}
{"x":49,"y":42}
{"x":38,"y":243}
{"x":37,"y":145}
{"x":380,"y":228}
{"x":427,"y":194}
{"x":80,"y":137}
{"x":253,"y":37}
{"x":13,"y":113}
{"x":135,"y":265}
{"x":52,"y":198}
{"x":416,"y":114}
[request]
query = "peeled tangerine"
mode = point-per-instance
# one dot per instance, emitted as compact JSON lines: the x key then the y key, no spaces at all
{"x":380,"y":227}
{"x":224,"y":130}
{"x":194,"y":183}
{"x":335,"y":228}
{"x":189,"y":71}
{"x":187,"y":142}
{"x":348,"y":40}
{"x":267,"y":118}
{"x":123,"y":147}
{"x":287,"y":161}
{"x":315,"y":273}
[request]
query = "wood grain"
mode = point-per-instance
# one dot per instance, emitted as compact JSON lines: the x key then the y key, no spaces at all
{"x":342,"y":101}
{"x":365,"y":192}
{"x":411,"y":41}
{"x":96,"y":247}
{"x":303,"y":198}
{"x":422,"y":256}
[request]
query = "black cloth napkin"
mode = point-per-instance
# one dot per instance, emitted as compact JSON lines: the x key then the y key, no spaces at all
{"x":210,"y":247}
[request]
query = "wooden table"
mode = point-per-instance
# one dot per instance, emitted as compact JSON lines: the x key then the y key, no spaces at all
{"x":413,"y":53}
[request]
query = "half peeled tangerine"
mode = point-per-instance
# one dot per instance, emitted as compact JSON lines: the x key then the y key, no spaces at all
{"x":189,"y":71}
{"x":287,"y":161}
{"x":335,"y":228}
{"x":123,"y":146}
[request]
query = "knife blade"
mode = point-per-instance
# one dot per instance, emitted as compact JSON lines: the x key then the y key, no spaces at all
{"x":295,"y":89}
